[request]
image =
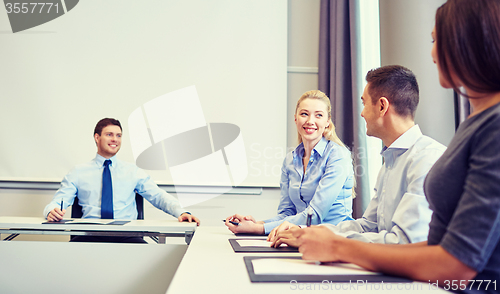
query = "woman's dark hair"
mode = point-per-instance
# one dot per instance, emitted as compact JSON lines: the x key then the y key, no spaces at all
{"x":468,"y":43}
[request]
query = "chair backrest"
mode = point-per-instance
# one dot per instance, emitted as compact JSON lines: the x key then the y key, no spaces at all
{"x":76,"y":209}
{"x":139,"y":200}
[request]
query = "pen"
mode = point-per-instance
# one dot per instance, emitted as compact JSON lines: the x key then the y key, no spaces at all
{"x":309,"y":216}
{"x":234,"y":223}
{"x":62,"y":201}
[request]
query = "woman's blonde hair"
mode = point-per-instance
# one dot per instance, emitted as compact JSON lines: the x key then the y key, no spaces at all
{"x":329,"y":132}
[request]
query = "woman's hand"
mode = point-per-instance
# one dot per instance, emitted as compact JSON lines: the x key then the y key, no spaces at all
{"x":246,"y":224}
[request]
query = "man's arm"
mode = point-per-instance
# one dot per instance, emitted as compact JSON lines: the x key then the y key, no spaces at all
{"x":187,"y":217}
{"x":352,"y":228}
{"x":161,"y":199}
{"x":66,"y":194}
{"x":411,"y":217}
{"x":368,"y":223}
{"x":410,"y":223}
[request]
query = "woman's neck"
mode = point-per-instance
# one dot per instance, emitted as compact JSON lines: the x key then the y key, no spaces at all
{"x":309,"y":146}
{"x":481,"y":102}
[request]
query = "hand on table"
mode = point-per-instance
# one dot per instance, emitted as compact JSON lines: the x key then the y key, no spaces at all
{"x":186,"y":217}
{"x":246,"y":224}
{"x":289,"y":237}
{"x":319,"y":243}
{"x":283,"y":227}
{"x":56,"y":214}
{"x":315,"y":242}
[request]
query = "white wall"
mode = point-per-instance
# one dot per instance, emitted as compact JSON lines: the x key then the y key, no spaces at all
{"x":116,"y":58}
{"x":303,"y":47}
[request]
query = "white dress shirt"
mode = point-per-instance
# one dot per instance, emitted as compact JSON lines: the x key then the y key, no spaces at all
{"x":399,"y":211}
{"x":85,"y":181}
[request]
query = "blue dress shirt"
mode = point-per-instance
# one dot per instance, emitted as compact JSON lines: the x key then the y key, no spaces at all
{"x":399,"y":212}
{"x":326,"y":186}
{"x":85,"y":181}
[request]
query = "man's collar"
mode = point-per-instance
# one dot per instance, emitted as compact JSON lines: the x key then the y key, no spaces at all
{"x":100,"y":160}
{"x":407,"y":139}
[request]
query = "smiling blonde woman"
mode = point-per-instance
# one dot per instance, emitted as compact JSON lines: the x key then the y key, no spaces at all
{"x":317,"y":176}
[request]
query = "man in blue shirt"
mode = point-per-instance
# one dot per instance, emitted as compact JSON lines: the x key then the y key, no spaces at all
{"x":398,"y":212}
{"x":86,"y":182}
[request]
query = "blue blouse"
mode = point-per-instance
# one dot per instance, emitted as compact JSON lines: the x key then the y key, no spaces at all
{"x":326,"y":186}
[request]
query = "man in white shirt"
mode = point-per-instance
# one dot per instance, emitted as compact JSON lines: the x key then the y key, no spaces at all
{"x":398,"y":213}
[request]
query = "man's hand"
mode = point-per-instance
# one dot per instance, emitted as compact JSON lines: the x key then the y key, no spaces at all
{"x":186,"y":217}
{"x":289,"y":237}
{"x":283,"y":227}
{"x":318,"y":243}
{"x":56,"y":214}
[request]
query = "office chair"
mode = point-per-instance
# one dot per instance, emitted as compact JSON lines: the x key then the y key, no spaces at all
{"x":76,"y":209}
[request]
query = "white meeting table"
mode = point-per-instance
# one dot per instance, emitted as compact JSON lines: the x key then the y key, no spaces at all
{"x":81,"y":267}
{"x":211,"y":266}
{"x":157,"y":229}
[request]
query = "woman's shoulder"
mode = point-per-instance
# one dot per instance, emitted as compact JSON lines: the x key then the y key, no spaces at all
{"x":489,"y":118}
{"x":481,"y":126}
{"x":333,"y":149}
{"x":331,"y":145}
{"x":291,"y":153}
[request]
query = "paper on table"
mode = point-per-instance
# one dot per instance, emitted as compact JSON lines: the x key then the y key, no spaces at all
{"x":92,"y":221}
{"x":285,"y":266}
{"x":256,"y":243}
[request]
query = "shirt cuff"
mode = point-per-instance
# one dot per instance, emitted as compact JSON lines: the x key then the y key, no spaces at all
{"x":268,"y":227}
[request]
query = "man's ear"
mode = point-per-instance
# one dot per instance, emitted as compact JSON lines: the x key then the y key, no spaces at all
{"x":96,"y":136}
{"x":383,"y":104}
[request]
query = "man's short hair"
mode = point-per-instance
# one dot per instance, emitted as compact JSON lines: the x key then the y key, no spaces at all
{"x":104,"y":123}
{"x":396,"y":83}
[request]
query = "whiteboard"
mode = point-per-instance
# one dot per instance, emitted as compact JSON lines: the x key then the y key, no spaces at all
{"x":112,"y":58}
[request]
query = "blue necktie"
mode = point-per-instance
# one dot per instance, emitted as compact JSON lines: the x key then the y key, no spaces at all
{"x":107,"y":192}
